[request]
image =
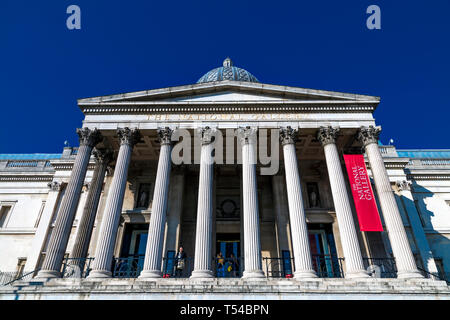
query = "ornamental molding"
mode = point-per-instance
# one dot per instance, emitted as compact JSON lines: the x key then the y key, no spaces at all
{"x":103,"y":156}
{"x":241,"y":106}
{"x":54,"y":185}
{"x":67,"y":166}
{"x":327,"y":135}
{"x":129,"y":136}
{"x":403,"y":185}
{"x":89,"y":137}
{"x":26,"y":178}
{"x":288,"y":135}
{"x":206,"y":134}
{"x":164,"y":135}
{"x":247,"y":135}
{"x":368,"y":135}
{"x":428,"y":177}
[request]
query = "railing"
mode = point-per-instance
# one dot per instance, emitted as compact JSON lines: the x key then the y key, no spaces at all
{"x":434,"y":275}
{"x":22,"y":164}
{"x":278,"y":267}
{"x":76,"y":267}
{"x":174,"y":268}
{"x":328,"y":266}
{"x":381,"y":267}
{"x":6,"y":278}
{"x":128,"y":267}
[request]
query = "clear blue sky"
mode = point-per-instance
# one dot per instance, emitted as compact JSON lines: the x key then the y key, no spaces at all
{"x":132,"y":45}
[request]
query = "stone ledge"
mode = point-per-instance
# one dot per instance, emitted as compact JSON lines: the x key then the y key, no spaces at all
{"x":228,"y":289}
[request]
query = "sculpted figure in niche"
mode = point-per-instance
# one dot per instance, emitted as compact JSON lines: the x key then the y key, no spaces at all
{"x":313,"y":195}
{"x":143,"y":196}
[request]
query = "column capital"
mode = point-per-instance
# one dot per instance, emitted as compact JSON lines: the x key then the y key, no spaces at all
{"x":164,"y":135}
{"x":247,"y":135}
{"x":89,"y":137}
{"x":368,"y":135}
{"x":288,"y":135}
{"x":403,"y":185}
{"x":327,"y":135}
{"x":103,"y":156}
{"x":54,"y":186}
{"x":206,"y":134}
{"x":128,"y":136}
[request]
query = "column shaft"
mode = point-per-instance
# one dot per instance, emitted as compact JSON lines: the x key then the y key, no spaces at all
{"x":83,"y":238}
{"x":299,"y":231}
{"x":60,"y":236}
{"x":404,"y":258}
{"x":101,"y":267}
{"x":203,"y":234}
{"x":252,"y":243}
{"x":153,"y":252}
{"x":349,"y":239}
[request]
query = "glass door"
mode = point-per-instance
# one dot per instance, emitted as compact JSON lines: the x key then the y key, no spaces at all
{"x":320,"y":252}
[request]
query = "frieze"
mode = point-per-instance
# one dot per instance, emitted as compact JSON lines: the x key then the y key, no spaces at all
{"x":214,"y":109}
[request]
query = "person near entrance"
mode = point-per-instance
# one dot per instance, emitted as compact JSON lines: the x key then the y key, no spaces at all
{"x":180,"y":262}
{"x":234,"y":265}
{"x":220,"y":265}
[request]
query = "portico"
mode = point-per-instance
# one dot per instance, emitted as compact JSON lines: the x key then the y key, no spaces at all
{"x":260,"y":177}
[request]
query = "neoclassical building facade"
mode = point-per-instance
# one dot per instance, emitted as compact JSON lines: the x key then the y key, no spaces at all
{"x":248,"y":178}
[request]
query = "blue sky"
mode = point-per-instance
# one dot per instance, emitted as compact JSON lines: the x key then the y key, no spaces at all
{"x":126,"y":46}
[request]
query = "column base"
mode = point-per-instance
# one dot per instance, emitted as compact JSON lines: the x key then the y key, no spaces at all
{"x":48,"y":274}
{"x":254,"y":274}
{"x":304,"y":275}
{"x":409,"y":274}
{"x":150,"y":274}
{"x":359,"y":274}
{"x":99,"y":274}
{"x":201,"y":274}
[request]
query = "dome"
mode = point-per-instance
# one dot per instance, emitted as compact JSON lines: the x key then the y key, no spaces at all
{"x":227,"y":72}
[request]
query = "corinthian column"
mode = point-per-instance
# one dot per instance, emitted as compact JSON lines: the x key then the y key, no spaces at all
{"x":401,"y":249}
{"x":252,"y":243}
{"x":349,"y":239}
{"x":64,"y":220}
{"x":153,"y":252}
{"x":83,"y":238}
{"x":203,"y":233}
{"x":299,"y":230}
{"x":101,"y":267}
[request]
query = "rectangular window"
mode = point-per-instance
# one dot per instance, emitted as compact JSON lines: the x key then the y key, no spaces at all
{"x":40,"y":214}
{"x":20,"y":267}
{"x":4,"y":212}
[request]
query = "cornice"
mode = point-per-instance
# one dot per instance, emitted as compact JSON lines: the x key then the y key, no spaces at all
{"x":25,"y":178}
{"x":428,"y":176}
{"x":229,"y":107}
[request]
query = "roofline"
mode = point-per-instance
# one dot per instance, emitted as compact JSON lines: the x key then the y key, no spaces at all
{"x":218,"y":85}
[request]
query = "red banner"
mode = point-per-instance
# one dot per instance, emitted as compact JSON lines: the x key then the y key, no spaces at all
{"x":366,"y":207}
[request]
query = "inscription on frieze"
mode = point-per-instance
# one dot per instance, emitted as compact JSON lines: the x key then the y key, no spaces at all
{"x":227,"y":117}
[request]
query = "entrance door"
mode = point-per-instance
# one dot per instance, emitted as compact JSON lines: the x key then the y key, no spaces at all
{"x":323,"y":251}
{"x":227,"y":261}
{"x":133,"y":251}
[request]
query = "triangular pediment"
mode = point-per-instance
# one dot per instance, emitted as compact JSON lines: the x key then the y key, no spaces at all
{"x":228,"y":92}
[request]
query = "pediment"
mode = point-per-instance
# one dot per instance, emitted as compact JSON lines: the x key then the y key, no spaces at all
{"x":228,"y":92}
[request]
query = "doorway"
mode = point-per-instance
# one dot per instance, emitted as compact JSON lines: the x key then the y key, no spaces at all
{"x":227,"y":263}
{"x":131,"y":261}
{"x":323,"y":251}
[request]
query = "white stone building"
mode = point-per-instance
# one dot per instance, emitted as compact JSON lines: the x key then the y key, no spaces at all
{"x":108,"y":218}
